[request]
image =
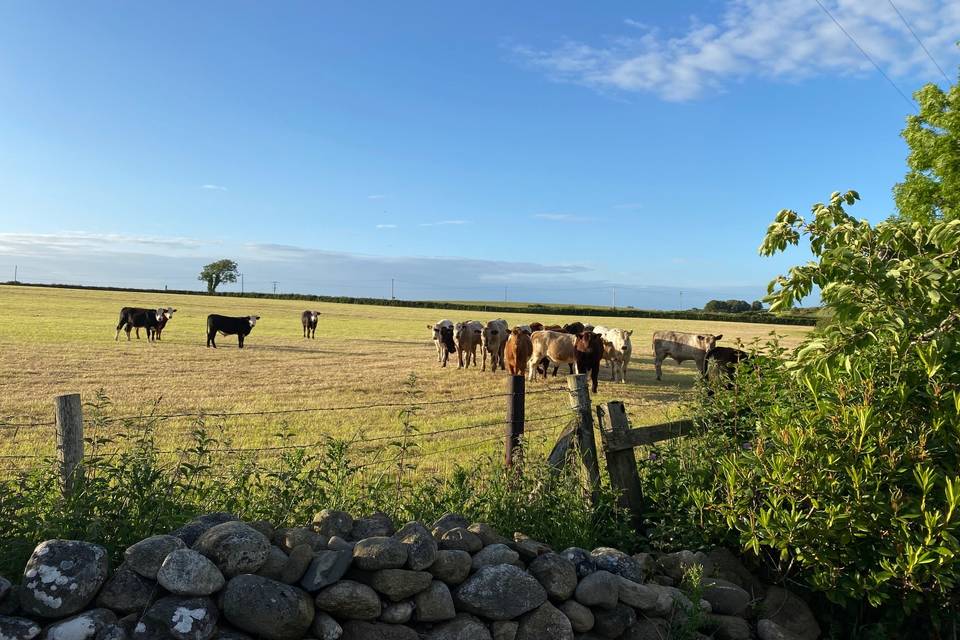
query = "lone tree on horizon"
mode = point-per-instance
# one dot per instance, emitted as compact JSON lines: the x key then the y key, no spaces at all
{"x":216,"y":273}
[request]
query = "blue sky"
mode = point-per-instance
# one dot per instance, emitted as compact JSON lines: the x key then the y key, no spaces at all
{"x":556,"y":149}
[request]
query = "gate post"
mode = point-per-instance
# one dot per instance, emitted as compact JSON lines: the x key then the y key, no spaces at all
{"x":622,"y":464}
{"x":586,"y":441}
{"x":69,"y":415}
{"x":515,"y":417}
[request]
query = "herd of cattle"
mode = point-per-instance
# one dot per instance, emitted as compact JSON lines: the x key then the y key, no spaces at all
{"x":532,"y":348}
{"x":525,"y":349}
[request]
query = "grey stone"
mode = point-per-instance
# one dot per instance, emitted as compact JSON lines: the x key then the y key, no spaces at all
{"x":377,"y":525}
{"x":557,"y":575}
{"x":770,"y":630}
{"x":276,"y":560}
{"x":789,"y":612}
{"x":528,"y":548}
{"x":546,"y":621}
{"x":186,"y":572}
{"x":363,"y":630}
{"x":126,"y":591}
{"x":396,"y":612}
{"x":199,"y":525}
{"x":420,"y":543}
{"x":83,"y":626}
{"x":669,"y":600}
{"x":297,"y":564}
{"x":331,"y":522}
{"x":610,"y":623}
{"x":11,"y":604}
{"x":648,"y":629}
{"x":380,"y":552}
{"x":581,"y":559}
{"x":448,"y":521}
{"x":231,"y":634}
{"x":336,"y":543}
{"x":500,"y":592}
{"x":324,"y":627}
{"x":462,"y":627}
{"x":12,"y":628}
{"x":264,"y":527}
{"x":62,"y":577}
{"x":599,"y":589}
{"x":452,"y":567}
{"x":267,"y":608}
{"x":488,"y":535}
{"x":349,"y":599}
{"x":146,"y":556}
{"x":727,"y":627}
{"x":235,"y":547}
{"x":724,"y":597}
{"x":618,"y":563}
{"x":4,"y":588}
{"x":636,"y":595}
{"x":581,"y":617}
{"x":496,"y":554}
{"x":504,"y":629}
{"x":435,"y":603}
{"x":729,"y":567}
{"x":287,"y":539}
{"x":326,"y":568}
{"x":460,"y":539}
{"x":113,"y":631}
{"x":179,"y":618}
{"x":400,"y":584}
{"x":676,"y":565}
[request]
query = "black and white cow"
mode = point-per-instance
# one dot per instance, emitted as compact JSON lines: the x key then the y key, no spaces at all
{"x":228,"y":326}
{"x":139,"y":318}
{"x":309,"y":320}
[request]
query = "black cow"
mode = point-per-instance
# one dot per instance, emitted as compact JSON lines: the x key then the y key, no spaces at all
{"x":157,"y":330}
{"x":228,"y":326}
{"x":137,"y":318}
{"x":589,"y":355}
{"x":309,"y":320}
{"x":727,"y":359}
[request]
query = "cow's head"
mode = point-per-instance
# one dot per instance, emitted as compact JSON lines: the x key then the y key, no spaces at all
{"x":445,"y":336}
{"x":253,"y":320}
{"x":708,"y":342}
{"x":523,"y":328}
{"x":589,"y":342}
{"x":163,"y":314}
{"x":314,"y":315}
{"x":536,"y":326}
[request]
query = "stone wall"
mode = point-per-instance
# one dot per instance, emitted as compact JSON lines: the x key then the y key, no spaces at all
{"x":219,"y":578}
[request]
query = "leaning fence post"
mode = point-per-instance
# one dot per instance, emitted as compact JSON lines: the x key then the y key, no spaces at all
{"x":622,"y":464}
{"x":586,"y":442}
{"x":69,"y":439}
{"x":515,"y":417}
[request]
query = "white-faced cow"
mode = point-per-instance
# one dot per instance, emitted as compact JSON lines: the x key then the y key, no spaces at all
{"x":682,"y":346}
{"x":493,"y":340}
{"x":157,"y":330}
{"x":139,"y":318}
{"x":309,"y":320}
{"x":468,"y":336}
{"x":228,"y":326}
{"x":617,"y":350}
{"x":443,"y":340}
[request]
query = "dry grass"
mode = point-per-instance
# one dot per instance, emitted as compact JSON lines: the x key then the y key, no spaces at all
{"x":55,"y":341}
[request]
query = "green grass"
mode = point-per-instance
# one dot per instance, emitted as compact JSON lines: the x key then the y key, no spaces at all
{"x":55,"y":341}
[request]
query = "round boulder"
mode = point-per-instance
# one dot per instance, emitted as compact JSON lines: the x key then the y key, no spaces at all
{"x":330,"y":523}
{"x":546,"y":621}
{"x":379,"y":552}
{"x":725,"y":597}
{"x":267,"y":608}
{"x":452,"y":567}
{"x":83,"y":626}
{"x":326,"y":567}
{"x":325,"y":627}
{"x":461,"y":539}
{"x":463,"y":627}
{"x":557,"y":575}
{"x":397,"y":612}
{"x":146,"y":556}
{"x":186,"y":572}
{"x":400,"y":584}
{"x":349,"y":599}
{"x":500,"y":592}
{"x":610,"y":623}
{"x":495,"y":554}
{"x":126,"y":591}
{"x":599,"y":589}
{"x":364,"y":630}
{"x":581,"y":559}
{"x":62,"y":577}
{"x":420,"y":543}
{"x":435,"y":603}
{"x":180,"y":619}
{"x":196,"y":527}
{"x":618,"y":563}
{"x":18,"y":628}
{"x":235,"y":547}
{"x":581,"y":617}
{"x":377,"y":525}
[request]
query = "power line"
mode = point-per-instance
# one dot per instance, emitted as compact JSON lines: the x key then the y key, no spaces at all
{"x":920,"y":42}
{"x":866,"y":55}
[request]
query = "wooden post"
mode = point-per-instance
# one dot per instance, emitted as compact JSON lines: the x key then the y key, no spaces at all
{"x":622,"y":464}
{"x":515,"y":417}
{"x":69,"y":440}
{"x":586,"y":441}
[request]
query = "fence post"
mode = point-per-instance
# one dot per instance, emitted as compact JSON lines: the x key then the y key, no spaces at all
{"x":69,"y":439}
{"x":586,"y":441}
{"x":515,"y":417}
{"x":622,"y":464}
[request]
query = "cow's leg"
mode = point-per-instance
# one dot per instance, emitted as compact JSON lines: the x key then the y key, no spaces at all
{"x":240,"y":340}
{"x":484,"y":351}
{"x":127,"y":330}
{"x":594,"y":374}
{"x":575,"y":368}
{"x":657,"y":362}
{"x":623,"y":370}
{"x":138,"y":333}
{"x":211,"y":339}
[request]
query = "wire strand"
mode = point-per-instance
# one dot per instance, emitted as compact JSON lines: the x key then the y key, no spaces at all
{"x":919,"y":41}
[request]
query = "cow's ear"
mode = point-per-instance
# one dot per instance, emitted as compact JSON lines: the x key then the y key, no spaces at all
{"x":630,"y":333}
{"x":718,"y":337}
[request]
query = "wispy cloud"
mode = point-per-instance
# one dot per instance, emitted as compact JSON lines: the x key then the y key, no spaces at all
{"x":772,"y":39}
{"x":376,"y":196}
{"x":214,"y":187}
{"x":14,"y":244}
{"x":443,"y":222}
{"x":562,"y":217}
{"x":386,"y":226}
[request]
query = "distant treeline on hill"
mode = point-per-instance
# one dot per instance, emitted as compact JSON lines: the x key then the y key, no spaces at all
{"x":760,"y":317}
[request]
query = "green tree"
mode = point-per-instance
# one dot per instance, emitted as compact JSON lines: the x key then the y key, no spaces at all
{"x":756,"y":306}
{"x":931,"y":188}
{"x":216,"y":273}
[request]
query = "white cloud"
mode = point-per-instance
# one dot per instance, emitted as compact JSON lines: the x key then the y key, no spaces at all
{"x":561,"y":217}
{"x":773,"y":39}
{"x":376,"y":196}
{"x":213,"y":187}
{"x":443,"y":222}
{"x":27,"y":244}
{"x":386,"y":226}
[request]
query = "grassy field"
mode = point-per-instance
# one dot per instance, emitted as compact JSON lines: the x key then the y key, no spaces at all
{"x":55,"y":341}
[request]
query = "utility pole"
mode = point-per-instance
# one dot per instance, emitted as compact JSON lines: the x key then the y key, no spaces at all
{"x":504,"y":293}
{"x":614,"y":298}
{"x":681,"y":301}
{"x":392,"y":297}
{"x":241,"y":284}
{"x":14,"y":273}
{"x":275,"y":283}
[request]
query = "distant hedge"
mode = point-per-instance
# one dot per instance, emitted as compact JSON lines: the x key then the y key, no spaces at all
{"x":760,"y":317}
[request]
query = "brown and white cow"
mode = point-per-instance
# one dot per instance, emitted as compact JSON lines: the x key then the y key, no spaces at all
{"x":617,"y":350}
{"x":682,"y":346}
{"x":517,"y":352}
{"x":553,"y":346}
{"x":309,"y":321}
{"x":467,"y":335}
{"x":494,"y":341}
{"x":443,"y":340}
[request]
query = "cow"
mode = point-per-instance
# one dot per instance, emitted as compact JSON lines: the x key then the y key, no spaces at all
{"x":727,"y":359}
{"x":527,"y":328}
{"x":682,"y":346}
{"x":589,"y":355}
{"x":443,"y":340}
{"x":617,"y":350}
{"x":535,"y":326}
{"x":161,"y":325}
{"x":467,"y":335}
{"x":554,"y":346}
{"x":493,"y":340}
{"x":574,"y":328}
{"x":136,"y":317}
{"x":309,"y":321}
{"x":226,"y":325}
{"x":517,"y":351}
